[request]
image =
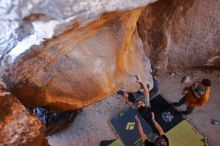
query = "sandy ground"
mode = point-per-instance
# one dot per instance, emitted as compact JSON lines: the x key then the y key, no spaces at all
{"x":93,"y":124}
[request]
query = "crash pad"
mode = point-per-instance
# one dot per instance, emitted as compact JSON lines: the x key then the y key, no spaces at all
{"x":117,"y":142}
{"x":165,"y":114}
{"x":184,"y":134}
{"x":127,"y":129}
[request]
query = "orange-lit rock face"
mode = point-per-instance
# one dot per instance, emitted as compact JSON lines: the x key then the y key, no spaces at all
{"x":180,"y":35}
{"x":82,"y":65}
{"x":17,"y":126}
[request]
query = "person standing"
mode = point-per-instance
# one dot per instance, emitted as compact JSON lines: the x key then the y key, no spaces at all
{"x":195,"y":95}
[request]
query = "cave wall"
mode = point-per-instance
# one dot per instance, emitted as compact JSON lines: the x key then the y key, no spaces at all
{"x":182,"y":35}
{"x":82,"y":65}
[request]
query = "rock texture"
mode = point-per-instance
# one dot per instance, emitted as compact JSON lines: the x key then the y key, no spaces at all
{"x":181,"y":35}
{"x":82,"y":65}
{"x":94,"y":50}
{"x":94,"y":57}
{"x":24,"y":23}
{"x":17,"y":126}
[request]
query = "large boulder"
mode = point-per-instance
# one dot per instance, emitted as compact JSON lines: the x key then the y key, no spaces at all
{"x":25,"y":23}
{"x":17,"y":126}
{"x":82,"y":65}
{"x":86,"y":50}
{"x":181,"y":35}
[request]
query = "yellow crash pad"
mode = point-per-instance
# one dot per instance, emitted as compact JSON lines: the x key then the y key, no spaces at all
{"x":184,"y":134}
{"x":117,"y":142}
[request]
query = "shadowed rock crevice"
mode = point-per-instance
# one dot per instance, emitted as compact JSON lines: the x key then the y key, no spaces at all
{"x":54,"y":121}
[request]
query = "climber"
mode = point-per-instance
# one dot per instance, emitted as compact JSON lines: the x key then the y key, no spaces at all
{"x":158,"y":139}
{"x":141,"y":106}
{"x":132,"y":98}
{"x":195,"y":95}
